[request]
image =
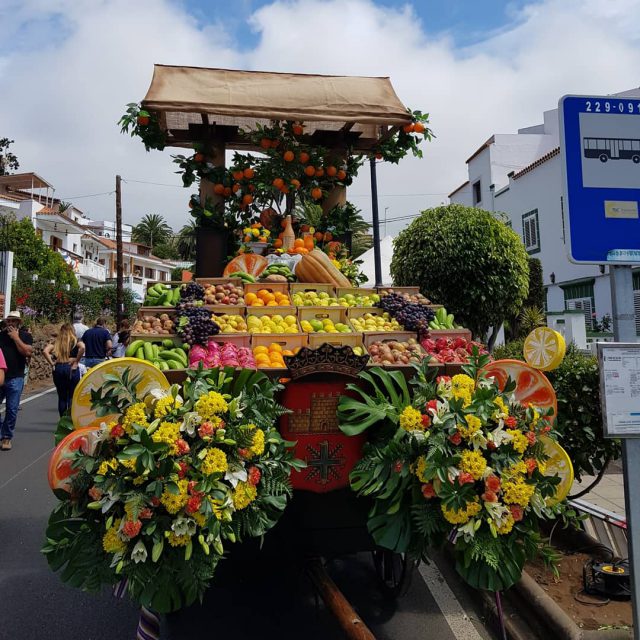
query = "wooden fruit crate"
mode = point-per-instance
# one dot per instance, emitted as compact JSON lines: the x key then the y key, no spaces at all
{"x":254,"y":287}
{"x":301,"y":287}
{"x":450,"y":333}
{"x":239,"y":339}
{"x":239,"y":282}
{"x":409,"y":290}
{"x":227,"y":309}
{"x":381,"y":336}
{"x":335,"y":339}
{"x":288,"y":341}
{"x":354,"y":291}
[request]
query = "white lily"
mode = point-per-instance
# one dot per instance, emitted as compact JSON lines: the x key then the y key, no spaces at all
{"x":139,"y":552}
{"x":235,"y":475}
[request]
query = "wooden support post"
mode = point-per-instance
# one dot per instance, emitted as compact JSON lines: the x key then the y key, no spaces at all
{"x":337,"y":195}
{"x":349,"y":620}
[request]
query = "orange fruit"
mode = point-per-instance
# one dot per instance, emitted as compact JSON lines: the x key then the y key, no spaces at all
{"x":248,"y":173}
{"x":218,"y":189}
{"x":199,"y":157}
{"x":274,"y":346}
{"x":265,"y":143}
{"x":418,"y":127}
{"x":274,"y":143}
{"x":299,"y":242}
{"x":250,"y":297}
{"x":310,"y":170}
{"x":262,"y":239}
{"x":341,"y":175}
{"x":288,"y":156}
{"x":408,"y":128}
{"x":295,"y":183}
{"x":303,"y":156}
{"x":258,"y":303}
{"x":316,"y":193}
{"x":319,"y":172}
{"x":302,"y":251}
{"x":238,"y":174}
{"x":277,"y":243}
{"x":331,"y":171}
{"x":318,"y":235}
{"x":272,"y":303}
{"x":278,"y":183}
{"x":247,"y":198}
{"x":227,"y":191}
{"x":287,"y":352}
{"x":297,"y":129}
{"x":260,"y":349}
{"x":235,"y":187}
{"x":284,"y":189}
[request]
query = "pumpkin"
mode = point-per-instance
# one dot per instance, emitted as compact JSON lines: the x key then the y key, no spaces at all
{"x":316,"y":267}
{"x":250,"y":263}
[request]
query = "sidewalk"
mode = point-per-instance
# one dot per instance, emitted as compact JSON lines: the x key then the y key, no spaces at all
{"x":608,"y":493}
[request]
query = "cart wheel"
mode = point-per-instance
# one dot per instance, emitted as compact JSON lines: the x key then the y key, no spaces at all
{"x":394,"y":571}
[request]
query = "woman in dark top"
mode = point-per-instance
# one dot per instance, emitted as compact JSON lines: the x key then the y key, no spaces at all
{"x":64,"y":355}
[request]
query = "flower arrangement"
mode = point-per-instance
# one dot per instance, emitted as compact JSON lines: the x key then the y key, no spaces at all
{"x":454,"y":459}
{"x":171,"y":484}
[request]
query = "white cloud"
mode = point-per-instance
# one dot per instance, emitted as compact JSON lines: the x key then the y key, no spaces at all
{"x":68,"y":87}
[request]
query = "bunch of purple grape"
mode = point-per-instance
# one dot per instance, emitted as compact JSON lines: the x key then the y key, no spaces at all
{"x":191,"y":291}
{"x":195,"y":324}
{"x":412,"y":316}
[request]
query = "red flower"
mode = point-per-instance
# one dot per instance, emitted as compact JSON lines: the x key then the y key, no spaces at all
{"x":516,"y":512}
{"x":145,"y":513}
{"x":441,"y":379}
{"x":428,"y":491}
{"x":432,"y":406}
{"x":206,"y":430}
{"x":531,"y":465}
{"x":155,"y":501}
{"x":492,"y":483}
{"x":184,"y":467}
{"x":117,"y":431}
{"x":426,"y":421}
{"x":546,"y":429}
{"x":95,"y":493}
{"x":397,"y":467}
{"x":456,"y":438}
{"x":131,"y":528}
{"x":465,"y":478}
{"x":254,"y":475}
{"x":510,"y":422}
{"x":531,"y":437}
{"x":491,"y":445}
{"x":183,"y":446}
{"x":489,"y":496}
{"x":193,"y":504}
{"x":244,"y":453}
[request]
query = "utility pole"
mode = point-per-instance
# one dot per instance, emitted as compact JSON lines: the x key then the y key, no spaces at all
{"x":376,"y":223}
{"x":385,"y":221}
{"x":119,"y":265}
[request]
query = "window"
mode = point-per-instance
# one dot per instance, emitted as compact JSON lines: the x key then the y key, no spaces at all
{"x":531,"y":231}
{"x":148,"y":273}
{"x":162,"y":275}
{"x":477,"y":193}
{"x":579,"y":296}
{"x":636,"y":299}
{"x":75,"y":248}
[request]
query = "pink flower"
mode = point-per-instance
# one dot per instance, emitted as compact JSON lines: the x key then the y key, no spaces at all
{"x":131,"y":528}
{"x":489,"y":496}
{"x":510,"y":422}
{"x":492,"y":483}
{"x":183,"y":446}
{"x":397,"y":467}
{"x":456,"y":438}
{"x":531,"y":437}
{"x":428,"y":491}
{"x":95,"y":493}
{"x":516,"y":512}
{"x":206,"y":430}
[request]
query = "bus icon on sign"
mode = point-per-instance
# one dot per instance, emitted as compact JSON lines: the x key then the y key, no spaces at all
{"x":605,"y":149}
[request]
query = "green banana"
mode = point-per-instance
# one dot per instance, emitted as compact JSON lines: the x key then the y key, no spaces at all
{"x":133,"y":348}
{"x":167,"y":343}
{"x":140,"y":353}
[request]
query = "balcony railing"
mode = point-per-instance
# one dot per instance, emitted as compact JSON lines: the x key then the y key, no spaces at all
{"x":92,"y":270}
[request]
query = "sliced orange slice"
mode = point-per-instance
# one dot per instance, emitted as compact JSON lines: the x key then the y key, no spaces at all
{"x":544,"y":349}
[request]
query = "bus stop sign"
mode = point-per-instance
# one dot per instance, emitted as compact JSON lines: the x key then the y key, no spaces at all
{"x":600,"y":150}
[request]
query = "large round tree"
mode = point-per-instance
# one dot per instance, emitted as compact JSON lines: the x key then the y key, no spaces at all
{"x":467,"y":260}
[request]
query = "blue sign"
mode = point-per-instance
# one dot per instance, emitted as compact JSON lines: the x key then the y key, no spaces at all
{"x":600,"y":150}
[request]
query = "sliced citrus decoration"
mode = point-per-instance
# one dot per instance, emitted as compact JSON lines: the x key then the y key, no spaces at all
{"x":559,"y":463}
{"x":83,"y":415}
{"x":250,"y":263}
{"x":532,"y":386}
{"x":60,"y":464}
{"x":544,"y":349}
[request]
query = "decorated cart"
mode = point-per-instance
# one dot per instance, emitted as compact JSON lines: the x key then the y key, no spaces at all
{"x":273,"y":394}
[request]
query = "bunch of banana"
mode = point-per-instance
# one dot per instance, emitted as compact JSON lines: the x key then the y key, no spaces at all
{"x":245,"y":277}
{"x":164,"y":355}
{"x":442,"y":320}
{"x":162,"y":295}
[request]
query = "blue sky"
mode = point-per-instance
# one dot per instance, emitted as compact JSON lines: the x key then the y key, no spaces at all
{"x":466,"y":22}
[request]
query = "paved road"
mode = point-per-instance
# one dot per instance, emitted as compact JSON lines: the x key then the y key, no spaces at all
{"x":258,"y":601}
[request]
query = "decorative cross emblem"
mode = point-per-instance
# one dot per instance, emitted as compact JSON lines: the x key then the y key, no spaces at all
{"x":324,"y":462}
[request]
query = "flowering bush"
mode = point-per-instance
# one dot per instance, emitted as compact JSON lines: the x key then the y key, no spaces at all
{"x":454,"y":459}
{"x":170,"y":484}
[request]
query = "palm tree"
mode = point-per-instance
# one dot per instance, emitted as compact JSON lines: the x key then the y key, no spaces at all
{"x":153,"y":228}
{"x":186,"y":241}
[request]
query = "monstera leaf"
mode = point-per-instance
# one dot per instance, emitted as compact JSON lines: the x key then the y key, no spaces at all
{"x":383,"y":398}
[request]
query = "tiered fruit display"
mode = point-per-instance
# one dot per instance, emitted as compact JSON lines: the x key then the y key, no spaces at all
{"x":272,"y":324}
{"x":370,"y":322}
{"x":225,"y":355}
{"x":277,"y":273}
{"x":413,"y":298}
{"x":412,"y":316}
{"x":272,"y":357}
{"x":395,"y":352}
{"x":227,"y":293}
{"x":266,"y":298}
{"x":230,"y":323}
{"x":324,"y":326}
{"x":452,"y":350}
{"x":443,"y":320}
{"x":358,"y":300}
{"x":159,"y":324}
{"x":314,"y":299}
{"x":162,"y":295}
{"x":164,"y":355}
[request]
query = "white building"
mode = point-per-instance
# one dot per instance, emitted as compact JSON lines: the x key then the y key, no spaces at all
{"x":85,"y":244}
{"x":521,"y":175}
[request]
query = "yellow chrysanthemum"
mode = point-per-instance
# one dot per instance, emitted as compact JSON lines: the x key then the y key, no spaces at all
{"x":411,"y":419}
{"x":214,"y":462}
{"x":211,"y":404}
{"x":503,"y":410}
{"x":200,"y":518}
{"x":174,"y":502}
{"x":421,"y":467}
{"x":106,"y":466}
{"x":474,"y":463}
{"x":542,"y":467}
{"x":129,"y":464}
{"x":178,"y":541}
{"x":111,"y":541}
{"x":257,"y":446}
{"x":516,"y":468}
{"x":506,"y":526}
{"x":135,"y":414}
{"x":166,"y":405}
{"x":519,"y":442}
{"x":517,"y":492}
{"x":461,"y":516}
{"x":243,"y":495}
{"x":168,"y":433}
{"x":471,"y":428}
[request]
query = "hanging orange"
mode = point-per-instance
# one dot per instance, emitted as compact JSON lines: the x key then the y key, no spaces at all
{"x":418,"y":127}
{"x":288,"y":156}
{"x":310,"y":171}
{"x":265,"y":143}
{"x":277,"y":183}
{"x":297,"y":129}
{"x":250,"y":263}
{"x":316,"y":193}
{"x":341,"y":175}
{"x":248,"y":173}
{"x":218,"y":189}
{"x":238,"y":175}
{"x":331,"y":171}
{"x":295,"y":183}
{"x":303,"y":157}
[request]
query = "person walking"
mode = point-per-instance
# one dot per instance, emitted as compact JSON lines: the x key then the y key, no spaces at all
{"x":121,"y":339}
{"x":78,"y":324}
{"x":15,"y":344}
{"x":97,"y":344}
{"x":64,"y":356}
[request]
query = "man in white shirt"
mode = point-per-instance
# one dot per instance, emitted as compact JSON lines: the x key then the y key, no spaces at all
{"x":78,"y":325}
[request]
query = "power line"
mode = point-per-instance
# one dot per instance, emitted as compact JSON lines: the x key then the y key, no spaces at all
{"x":90,"y":195}
{"x":157,"y":184}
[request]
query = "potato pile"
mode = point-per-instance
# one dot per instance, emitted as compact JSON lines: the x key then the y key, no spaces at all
{"x":161,"y":324}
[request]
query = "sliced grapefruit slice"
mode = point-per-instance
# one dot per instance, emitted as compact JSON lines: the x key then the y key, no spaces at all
{"x":83,"y":415}
{"x":544,"y":349}
{"x":532,"y":386}
{"x":559,"y":463}
{"x":250,"y":263}
{"x":60,"y":464}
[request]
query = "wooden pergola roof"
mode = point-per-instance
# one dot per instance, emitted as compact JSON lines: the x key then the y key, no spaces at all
{"x":196,"y":103}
